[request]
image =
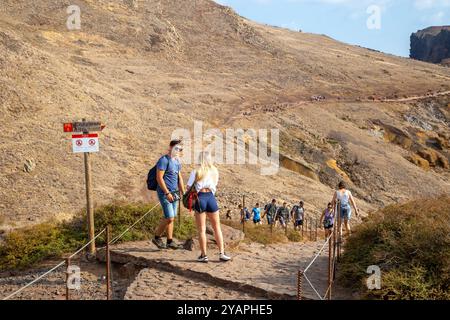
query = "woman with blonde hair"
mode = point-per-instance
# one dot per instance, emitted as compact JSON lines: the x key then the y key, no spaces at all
{"x":205,"y":179}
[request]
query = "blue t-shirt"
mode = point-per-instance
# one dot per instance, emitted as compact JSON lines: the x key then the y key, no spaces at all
{"x":172,"y":167}
{"x":256,"y":214}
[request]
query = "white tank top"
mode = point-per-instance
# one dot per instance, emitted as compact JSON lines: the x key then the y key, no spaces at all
{"x":344,"y":198}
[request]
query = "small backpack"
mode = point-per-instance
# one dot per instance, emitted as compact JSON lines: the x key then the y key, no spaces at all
{"x":191,"y":196}
{"x":247,"y":214}
{"x":152,"y":183}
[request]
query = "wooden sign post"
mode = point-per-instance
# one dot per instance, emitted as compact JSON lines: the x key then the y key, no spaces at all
{"x":86,"y":143}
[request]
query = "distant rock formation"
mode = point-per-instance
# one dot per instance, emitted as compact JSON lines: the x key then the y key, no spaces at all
{"x":431,"y":45}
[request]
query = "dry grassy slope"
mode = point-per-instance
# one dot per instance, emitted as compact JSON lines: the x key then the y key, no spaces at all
{"x":139,"y":68}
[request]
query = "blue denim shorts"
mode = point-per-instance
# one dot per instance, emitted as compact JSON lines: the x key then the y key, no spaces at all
{"x":170,"y":209}
{"x":346,"y":212}
{"x":206,"y":203}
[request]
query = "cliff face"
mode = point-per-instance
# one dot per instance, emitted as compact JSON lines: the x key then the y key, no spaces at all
{"x":431,"y":44}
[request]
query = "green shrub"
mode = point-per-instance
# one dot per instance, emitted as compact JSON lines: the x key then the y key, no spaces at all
{"x":25,"y":247}
{"x":411,"y":245}
{"x":294,"y":236}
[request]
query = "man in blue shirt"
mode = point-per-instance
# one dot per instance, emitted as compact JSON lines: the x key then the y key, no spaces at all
{"x":256,"y":214}
{"x":170,"y":183}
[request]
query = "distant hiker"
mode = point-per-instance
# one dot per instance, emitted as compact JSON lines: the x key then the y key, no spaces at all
{"x":270,"y":211}
{"x":345,"y":199}
{"x":298,"y":215}
{"x":170,"y":183}
{"x":248,"y":214}
{"x":241,"y":213}
{"x":327,"y":219}
{"x":256,"y":211}
{"x":228,"y":217}
{"x":244,"y":214}
{"x":282,"y":215}
{"x":205,"y":180}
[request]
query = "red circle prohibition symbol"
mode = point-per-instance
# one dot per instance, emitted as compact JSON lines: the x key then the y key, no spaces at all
{"x":79,"y":143}
{"x":92,"y":142}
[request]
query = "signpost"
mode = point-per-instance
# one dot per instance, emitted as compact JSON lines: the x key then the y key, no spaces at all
{"x":86,"y":143}
{"x":82,"y":143}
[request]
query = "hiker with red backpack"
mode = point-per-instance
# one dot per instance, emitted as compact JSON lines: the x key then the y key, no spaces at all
{"x":203,"y":181}
{"x":165,"y":178}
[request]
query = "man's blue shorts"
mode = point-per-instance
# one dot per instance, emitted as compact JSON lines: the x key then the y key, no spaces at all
{"x":170,"y":209}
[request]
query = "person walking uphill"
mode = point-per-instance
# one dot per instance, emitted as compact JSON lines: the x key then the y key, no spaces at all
{"x":205,"y":180}
{"x":170,"y":183}
{"x":345,"y":199}
{"x":270,"y":211}
{"x":327,"y":220}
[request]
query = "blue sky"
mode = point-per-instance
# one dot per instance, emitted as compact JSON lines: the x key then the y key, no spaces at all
{"x":347,"y":20}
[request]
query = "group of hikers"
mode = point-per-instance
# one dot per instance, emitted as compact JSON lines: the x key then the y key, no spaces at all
{"x":201,"y":189}
{"x":282,"y":215}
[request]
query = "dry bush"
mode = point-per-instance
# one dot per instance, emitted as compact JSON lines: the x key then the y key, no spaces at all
{"x":410,"y":243}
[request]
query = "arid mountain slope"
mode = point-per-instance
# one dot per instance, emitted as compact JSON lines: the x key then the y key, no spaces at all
{"x":149,"y":69}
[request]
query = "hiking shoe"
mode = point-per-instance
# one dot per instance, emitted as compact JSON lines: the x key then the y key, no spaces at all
{"x":223,"y":257}
{"x":173,"y":246}
{"x":203,"y":259}
{"x":159,"y":243}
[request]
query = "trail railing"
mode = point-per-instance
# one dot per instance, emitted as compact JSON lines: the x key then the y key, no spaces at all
{"x":67,"y":261}
{"x":334,"y":242}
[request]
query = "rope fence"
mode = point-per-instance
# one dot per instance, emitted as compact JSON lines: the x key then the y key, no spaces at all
{"x":334,"y":242}
{"x":303,"y":272}
{"x":68,"y":259}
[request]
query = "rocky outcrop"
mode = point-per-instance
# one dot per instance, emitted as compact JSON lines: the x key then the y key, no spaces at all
{"x":431,"y":44}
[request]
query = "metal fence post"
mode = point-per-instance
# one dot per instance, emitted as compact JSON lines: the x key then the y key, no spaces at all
{"x":334,"y":244}
{"x":67,"y":279}
{"x":243,"y":213}
{"x":299,"y":284}
{"x":303,"y":230}
{"x":330,"y":267}
{"x":306,"y":226}
{"x":339,"y":232}
{"x":179,"y":211}
{"x":108,"y":263}
{"x":315,"y":237}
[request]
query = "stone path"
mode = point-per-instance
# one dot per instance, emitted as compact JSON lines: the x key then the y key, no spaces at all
{"x":152,"y":284}
{"x":256,"y":270}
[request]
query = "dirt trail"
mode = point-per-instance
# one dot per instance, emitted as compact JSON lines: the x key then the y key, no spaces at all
{"x":413,"y":98}
{"x":270,"y":272}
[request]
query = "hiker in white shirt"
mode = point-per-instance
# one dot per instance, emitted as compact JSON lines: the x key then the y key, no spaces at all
{"x":345,"y":199}
{"x":205,"y":179}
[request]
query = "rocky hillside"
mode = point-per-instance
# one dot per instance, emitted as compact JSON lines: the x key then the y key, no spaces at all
{"x":147,"y":68}
{"x":431,"y":45}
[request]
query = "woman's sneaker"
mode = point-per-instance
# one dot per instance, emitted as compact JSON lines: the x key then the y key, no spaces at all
{"x":224,"y":257}
{"x":203,"y":259}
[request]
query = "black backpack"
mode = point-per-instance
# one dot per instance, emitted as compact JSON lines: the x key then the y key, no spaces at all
{"x":152,"y":184}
